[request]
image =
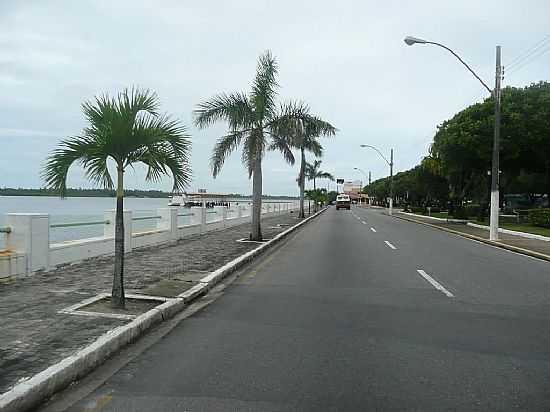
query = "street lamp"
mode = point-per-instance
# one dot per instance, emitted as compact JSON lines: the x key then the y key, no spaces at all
{"x":390,"y":164}
{"x":367,"y":178}
{"x":493,"y":231}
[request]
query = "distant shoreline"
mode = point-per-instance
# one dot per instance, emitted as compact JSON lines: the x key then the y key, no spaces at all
{"x":134,"y":193}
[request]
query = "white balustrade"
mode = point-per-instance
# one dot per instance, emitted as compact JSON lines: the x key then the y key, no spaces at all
{"x":27,"y":235}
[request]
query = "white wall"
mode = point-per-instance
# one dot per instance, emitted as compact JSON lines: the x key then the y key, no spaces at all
{"x":29,"y":249}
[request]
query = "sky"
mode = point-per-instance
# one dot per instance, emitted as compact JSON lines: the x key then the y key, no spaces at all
{"x":346,"y":59}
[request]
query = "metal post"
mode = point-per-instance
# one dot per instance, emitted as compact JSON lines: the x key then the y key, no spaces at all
{"x":391,"y":183}
{"x":493,"y":230}
{"x":369,"y":178}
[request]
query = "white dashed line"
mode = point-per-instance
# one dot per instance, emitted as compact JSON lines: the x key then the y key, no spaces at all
{"x":373,"y":229}
{"x":364,"y":223}
{"x":435,"y":283}
{"x":390,"y":245}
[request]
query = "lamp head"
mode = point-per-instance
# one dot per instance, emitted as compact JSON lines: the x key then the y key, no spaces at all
{"x":410,"y":40}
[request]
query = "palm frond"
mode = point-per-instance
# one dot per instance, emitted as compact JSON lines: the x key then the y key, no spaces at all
{"x":163,"y":145}
{"x":264,"y":87}
{"x":312,"y":145}
{"x":283,"y":145}
{"x":233,"y":108}
{"x":325,"y":175}
{"x":79,"y":149}
{"x":223,"y":148}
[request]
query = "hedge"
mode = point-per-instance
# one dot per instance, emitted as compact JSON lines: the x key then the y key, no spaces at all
{"x":539,"y":217}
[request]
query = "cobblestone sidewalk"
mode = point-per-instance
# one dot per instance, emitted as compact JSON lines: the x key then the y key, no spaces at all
{"x":35,"y":336}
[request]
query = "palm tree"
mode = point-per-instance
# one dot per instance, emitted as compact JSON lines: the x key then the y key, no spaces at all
{"x":123,"y":131}
{"x":302,"y":130}
{"x":313,"y":172}
{"x":253,"y":121}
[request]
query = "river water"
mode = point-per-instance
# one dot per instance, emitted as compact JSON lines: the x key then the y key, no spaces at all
{"x":85,"y":209}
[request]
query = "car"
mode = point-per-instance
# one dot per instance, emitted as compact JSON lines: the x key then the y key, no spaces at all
{"x":343,"y":202}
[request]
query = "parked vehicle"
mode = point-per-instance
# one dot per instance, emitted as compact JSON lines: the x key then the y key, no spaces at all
{"x":343,"y":202}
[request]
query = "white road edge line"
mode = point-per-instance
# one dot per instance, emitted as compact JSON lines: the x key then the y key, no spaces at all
{"x":435,"y":283}
{"x":390,"y":245}
{"x":373,"y":229}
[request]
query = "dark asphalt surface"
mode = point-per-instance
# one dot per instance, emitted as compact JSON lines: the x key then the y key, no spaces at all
{"x":336,"y":320}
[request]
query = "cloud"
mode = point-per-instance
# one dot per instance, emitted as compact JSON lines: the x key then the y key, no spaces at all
{"x":345,"y":59}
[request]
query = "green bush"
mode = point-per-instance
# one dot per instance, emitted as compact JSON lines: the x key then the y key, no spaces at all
{"x":473,"y":210}
{"x":460,"y":213}
{"x":539,"y":217}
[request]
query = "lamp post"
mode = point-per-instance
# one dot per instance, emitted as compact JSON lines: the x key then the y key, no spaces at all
{"x":390,"y":164}
{"x":493,"y":230}
{"x":366,"y":180}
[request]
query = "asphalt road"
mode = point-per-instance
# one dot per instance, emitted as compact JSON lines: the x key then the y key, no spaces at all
{"x":357,"y":311}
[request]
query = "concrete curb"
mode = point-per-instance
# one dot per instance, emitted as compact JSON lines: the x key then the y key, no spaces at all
{"x":501,"y":230}
{"x":30,"y":393}
{"x":439,"y":219}
{"x":513,"y":232}
{"x":516,"y":249}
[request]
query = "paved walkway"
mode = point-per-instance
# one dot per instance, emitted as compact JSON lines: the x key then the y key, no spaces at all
{"x":35,"y":336}
{"x":535,"y":245}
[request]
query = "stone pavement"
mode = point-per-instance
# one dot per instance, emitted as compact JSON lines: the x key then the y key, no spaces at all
{"x":35,"y":336}
{"x":535,"y":245}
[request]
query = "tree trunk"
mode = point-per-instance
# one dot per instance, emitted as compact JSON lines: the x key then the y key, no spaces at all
{"x":302,"y":183}
{"x":548,"y":182}
{"x":256,"y":233}
{"x":314,"y":185}
{"x":117,"y":295}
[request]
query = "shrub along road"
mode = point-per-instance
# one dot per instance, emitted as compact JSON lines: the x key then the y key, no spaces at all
{"x":356,"y":311}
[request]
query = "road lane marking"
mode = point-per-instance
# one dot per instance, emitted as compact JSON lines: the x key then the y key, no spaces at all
{"x":364,"y":222}
{"x":373,"y":229}
{"x":390,"y":245}
{"x":435,"y":283}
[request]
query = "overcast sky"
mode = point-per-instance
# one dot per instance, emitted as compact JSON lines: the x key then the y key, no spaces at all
{"x":346,"y":59}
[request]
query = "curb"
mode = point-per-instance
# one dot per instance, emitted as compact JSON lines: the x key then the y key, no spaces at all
{"x":439,"y":219}
{"x":30,"y":393}
{"x":513,"y":232}
{"x":511,"y":248}
{"x":468,"y":223}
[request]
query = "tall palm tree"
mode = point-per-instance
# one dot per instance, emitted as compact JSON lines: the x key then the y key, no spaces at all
{"x":301,"y":131}
{"x":253,"y":120}
{"x":123,"y":131}
{"x":314,"y":172}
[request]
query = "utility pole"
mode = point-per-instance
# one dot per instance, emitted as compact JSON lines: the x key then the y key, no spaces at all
{"x":495,"y":201}
{"x":369,"y":178}
{"x":391,"y":182}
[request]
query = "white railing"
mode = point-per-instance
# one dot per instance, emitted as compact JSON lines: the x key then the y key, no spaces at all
{"x":27,"y":235}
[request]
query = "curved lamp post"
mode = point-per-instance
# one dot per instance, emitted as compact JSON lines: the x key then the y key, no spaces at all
{"x":493,"y":231}
{"x":390,"y":164}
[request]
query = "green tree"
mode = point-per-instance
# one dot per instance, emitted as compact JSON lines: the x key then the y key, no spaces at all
{"x":253,"y":121}
{"x":313,"y":172}
{"x":302,"y":131}
{"x":319,"y":196}
{"x":124,"y":130}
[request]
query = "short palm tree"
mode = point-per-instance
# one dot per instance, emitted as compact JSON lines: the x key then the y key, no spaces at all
{"x":301,"y":131}
{"x":314,"y":172}
{"x":123,"y":131}
{"x":253,"y":121}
